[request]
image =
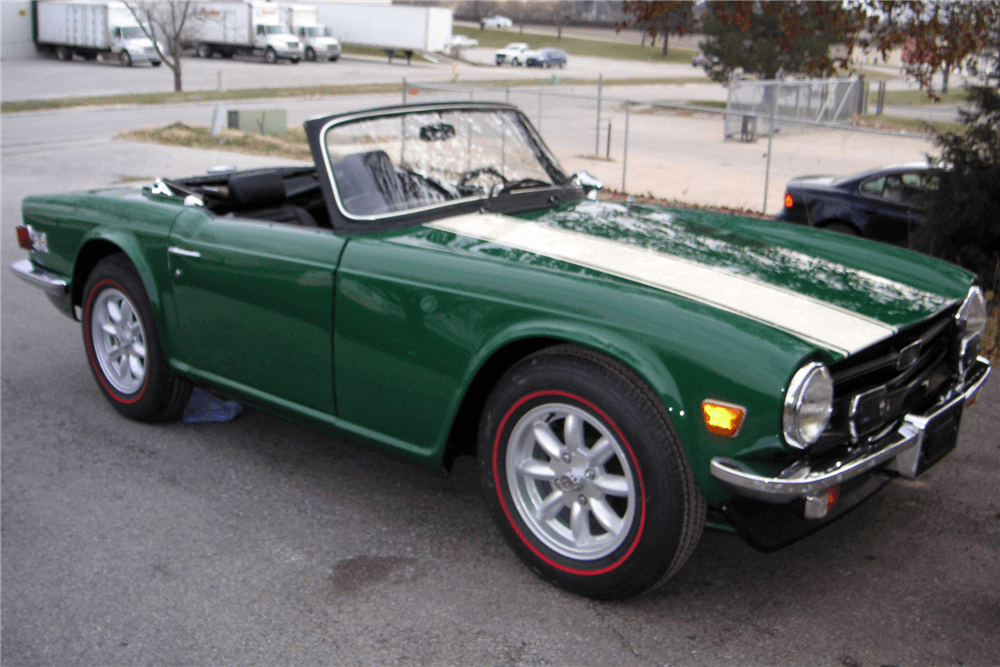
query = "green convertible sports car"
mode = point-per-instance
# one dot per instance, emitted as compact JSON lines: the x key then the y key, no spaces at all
{"x":437,"y":285}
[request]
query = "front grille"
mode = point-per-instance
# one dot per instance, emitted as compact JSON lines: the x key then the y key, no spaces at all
{"x":875,"y":388}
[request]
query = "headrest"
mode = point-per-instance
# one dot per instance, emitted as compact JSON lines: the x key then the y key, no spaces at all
{"x":260,"y":189}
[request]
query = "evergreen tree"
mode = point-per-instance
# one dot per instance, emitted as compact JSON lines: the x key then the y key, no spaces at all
{"x":963,"y":224}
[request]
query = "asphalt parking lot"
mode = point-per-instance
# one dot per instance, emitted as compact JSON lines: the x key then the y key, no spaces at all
{"x":260,"y":542}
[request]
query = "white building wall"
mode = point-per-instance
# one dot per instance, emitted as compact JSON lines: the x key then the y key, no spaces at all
{"x":15,"y":31}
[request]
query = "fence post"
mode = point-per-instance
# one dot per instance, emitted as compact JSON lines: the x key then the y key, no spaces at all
{"x":767,"y":169}
{"x":607,"y":153}
{"x":597,"y":131}
{"x":404,"y":90}
{"x":625,"y":147}
{"x":540,"y":109}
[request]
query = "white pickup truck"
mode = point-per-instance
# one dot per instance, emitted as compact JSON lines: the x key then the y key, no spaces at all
{"x":513,"y":53}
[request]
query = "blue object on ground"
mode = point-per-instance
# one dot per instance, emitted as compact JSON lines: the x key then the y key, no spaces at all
{"x":204,"y":407}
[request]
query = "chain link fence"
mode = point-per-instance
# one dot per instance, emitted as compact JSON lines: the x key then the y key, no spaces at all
{"x":641,"y":144}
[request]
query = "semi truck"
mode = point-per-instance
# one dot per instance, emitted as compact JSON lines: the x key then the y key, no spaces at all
{"x":390,"y":27}
{"x":90,"y":29}
{"x":246,"y":28}
{"x":318,"y":43}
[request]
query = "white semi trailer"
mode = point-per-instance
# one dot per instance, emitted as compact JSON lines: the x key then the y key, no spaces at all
{"x":318,"y":43}
{"x":247,"y":28}
{"x":89,"y":29}
{"x":390,"y":27}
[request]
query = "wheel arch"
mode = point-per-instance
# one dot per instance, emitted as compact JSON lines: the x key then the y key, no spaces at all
{"x":99,"y":246}
{"x":513,"y":345}
{"x":845,"y":221}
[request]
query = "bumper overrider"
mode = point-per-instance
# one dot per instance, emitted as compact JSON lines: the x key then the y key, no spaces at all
{"x":905,"y":451}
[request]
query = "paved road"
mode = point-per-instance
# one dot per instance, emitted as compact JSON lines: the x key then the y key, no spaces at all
{"x":260,"y":542}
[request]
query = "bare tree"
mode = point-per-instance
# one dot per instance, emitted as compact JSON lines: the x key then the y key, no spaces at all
{"x":169,"y":24}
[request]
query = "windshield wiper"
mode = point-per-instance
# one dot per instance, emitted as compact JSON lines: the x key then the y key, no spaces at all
{"x":523,"y":184}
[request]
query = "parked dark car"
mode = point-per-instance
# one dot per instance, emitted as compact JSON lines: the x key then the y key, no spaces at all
{"x":885,"y":204}
{"x":546,"y":58}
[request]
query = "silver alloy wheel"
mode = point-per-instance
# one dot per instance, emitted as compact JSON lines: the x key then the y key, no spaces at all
{"x":119,"y":341}
{"x":570,"y":481}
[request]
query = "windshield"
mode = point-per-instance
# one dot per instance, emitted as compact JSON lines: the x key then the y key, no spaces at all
{"x":276,"y":30}
{"x":132,"y":33}
{"x":316,"y":32}
{"x":396,"y":163}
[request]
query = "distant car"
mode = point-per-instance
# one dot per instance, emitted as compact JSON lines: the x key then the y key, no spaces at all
{"x":514,"y":53}
{"x":463,"y":42}
{"x":700,"y":60}
{"x":884,"y":204}
{"x":546,"y":58}
{"x":498,"y":22}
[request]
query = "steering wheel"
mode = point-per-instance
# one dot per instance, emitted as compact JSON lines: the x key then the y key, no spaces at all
{"x":469,"y":175}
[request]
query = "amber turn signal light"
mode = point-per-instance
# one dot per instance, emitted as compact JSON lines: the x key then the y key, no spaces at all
{"x":722,"y":418}
{"x":788,"y":200}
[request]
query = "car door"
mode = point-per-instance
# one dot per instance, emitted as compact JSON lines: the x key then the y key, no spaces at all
{"x":253,"y":306}
{"x":887,"y":213}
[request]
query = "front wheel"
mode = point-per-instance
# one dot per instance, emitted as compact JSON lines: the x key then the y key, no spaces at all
{"x":125,"y":59}
{"x":270,"y":56}
{"x":585,"y":475}
{"x":123,"y":346}
{"x":310,"y":54}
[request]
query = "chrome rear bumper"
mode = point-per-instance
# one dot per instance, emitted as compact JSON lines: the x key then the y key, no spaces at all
{"x":900,"y":449}
{"x":49,"y":283}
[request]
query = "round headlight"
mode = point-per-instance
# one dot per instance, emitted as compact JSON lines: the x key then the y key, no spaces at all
{"x":808,"y":405}
{"x":972,"y":315}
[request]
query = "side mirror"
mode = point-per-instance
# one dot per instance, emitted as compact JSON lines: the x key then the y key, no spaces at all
{"x":590,"y":184}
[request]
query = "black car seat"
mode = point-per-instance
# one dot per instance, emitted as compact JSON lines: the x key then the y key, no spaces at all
{"x":261,"y":195}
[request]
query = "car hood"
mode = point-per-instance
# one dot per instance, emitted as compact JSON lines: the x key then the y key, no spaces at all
{"x":839,"y":293}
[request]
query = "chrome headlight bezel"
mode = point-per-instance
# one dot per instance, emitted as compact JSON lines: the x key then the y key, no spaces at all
{"x":971,"y":319}
{"x":808,"y":405}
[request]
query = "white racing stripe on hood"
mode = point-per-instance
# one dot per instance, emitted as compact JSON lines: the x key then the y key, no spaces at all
{"x":822,"y":323}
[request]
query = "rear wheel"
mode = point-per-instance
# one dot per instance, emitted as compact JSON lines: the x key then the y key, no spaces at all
{"x":123,"y":346}
{"x":64,"y":53}
{"x":585,"y":475}
{"x":205,"y":51}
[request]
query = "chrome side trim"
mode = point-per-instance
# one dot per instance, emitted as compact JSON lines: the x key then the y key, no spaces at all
{"x":48,"y":282}
{"x":903,"y":445}
{"x":174,"y":250}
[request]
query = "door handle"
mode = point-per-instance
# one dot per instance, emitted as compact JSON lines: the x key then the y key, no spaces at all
{"x":174,"y":250}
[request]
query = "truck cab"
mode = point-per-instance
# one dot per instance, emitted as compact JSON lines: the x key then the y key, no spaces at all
{"x":317,"y":42}
{"x":131,"y":45}
{"x":277,"y":42}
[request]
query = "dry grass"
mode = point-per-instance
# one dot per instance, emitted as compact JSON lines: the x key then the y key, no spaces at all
{"x":291,"y":144}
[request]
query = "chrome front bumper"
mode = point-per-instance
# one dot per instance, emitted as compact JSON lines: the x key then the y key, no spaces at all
{"x":900,"y":450}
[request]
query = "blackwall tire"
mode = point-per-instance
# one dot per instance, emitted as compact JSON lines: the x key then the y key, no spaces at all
{"x":310,"y":54}
{"x":270,"y":56}
{"x":123,"y":345}
{"x":585,"y":475}
{"x":125,"y":59}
